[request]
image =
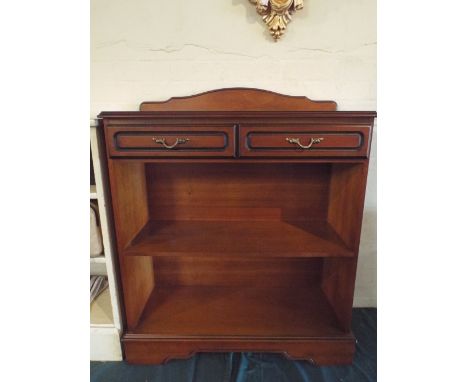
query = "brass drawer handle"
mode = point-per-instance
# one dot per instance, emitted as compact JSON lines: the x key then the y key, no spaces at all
{"x":178,"y":141}
{"x":297,"y":141}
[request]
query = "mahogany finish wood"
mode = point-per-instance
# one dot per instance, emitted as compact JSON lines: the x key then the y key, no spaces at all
{"x":236,"y":239}
{"x":136,"y":274}
{"x":239,"y":311}
{"x":239,"y":99}
{"x":146,"y":349}
{"x":336,"y":141}
{"x":238,"y":191}
{"x":140,"y":141}
{"x":238,"y":271}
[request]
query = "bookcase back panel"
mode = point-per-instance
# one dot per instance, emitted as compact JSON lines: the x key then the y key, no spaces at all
{"x":236,"y":272}
{"x":237,"y":191}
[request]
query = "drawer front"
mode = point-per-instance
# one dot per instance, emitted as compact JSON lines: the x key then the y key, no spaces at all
{"x":171,"y":141}
{"x":304,"y":141}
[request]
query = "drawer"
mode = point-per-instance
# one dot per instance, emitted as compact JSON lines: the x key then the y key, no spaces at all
{"x":304,"y":141}
{"x":171,"y":141}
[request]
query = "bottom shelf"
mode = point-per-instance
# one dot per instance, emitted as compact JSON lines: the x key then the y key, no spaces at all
{"x":181,"y":321}
{"x":198,"y":311}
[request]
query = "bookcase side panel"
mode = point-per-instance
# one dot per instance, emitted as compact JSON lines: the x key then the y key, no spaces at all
{"x":130,"y":206}
{"x":346,"y":201}
{"x":345,"y":211}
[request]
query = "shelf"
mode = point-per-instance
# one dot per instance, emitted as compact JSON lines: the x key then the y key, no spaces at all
{"x":92,"y":192}
{"x":101,"y":309}
{"x":238,"y":238}
{"x":98,"y":260}
{"x":97,"y":265}
{"x":196,"y":311}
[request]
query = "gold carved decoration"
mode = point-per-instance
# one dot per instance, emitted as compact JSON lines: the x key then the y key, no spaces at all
{"x":277,"y":14}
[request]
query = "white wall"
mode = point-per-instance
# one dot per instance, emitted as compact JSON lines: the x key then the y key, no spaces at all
{"x":144,"y":50}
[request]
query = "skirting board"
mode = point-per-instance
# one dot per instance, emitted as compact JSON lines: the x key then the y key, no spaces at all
{"x":105,"y":344}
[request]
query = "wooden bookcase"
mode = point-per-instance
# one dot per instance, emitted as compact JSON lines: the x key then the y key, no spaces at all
{"x":237,"y":217}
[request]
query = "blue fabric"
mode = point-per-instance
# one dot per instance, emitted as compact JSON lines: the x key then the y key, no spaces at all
{"x":254,"y":367}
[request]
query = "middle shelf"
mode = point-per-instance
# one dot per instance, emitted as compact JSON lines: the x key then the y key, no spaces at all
{"x":238,"y":238}
{"x":237,"y":210}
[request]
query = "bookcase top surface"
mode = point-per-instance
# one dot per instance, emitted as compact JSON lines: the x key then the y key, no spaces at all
{"x":239,"y":102}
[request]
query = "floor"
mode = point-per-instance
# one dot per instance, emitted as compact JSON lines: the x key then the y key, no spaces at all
{"x":254,"y":367}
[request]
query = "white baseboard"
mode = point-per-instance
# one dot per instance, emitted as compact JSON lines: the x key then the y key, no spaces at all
{"x":364,"y":302}
{"x":105,"y":344}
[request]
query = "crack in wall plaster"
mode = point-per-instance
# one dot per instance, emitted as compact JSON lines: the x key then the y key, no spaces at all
{"x":173,"y":49}
{"x":333,"y":51}
{"x":169,"y":49}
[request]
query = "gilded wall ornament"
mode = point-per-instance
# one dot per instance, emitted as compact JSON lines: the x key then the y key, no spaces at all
{"x":277,"y":14}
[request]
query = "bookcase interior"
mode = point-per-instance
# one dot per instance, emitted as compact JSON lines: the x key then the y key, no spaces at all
{"x":237,"y":249}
